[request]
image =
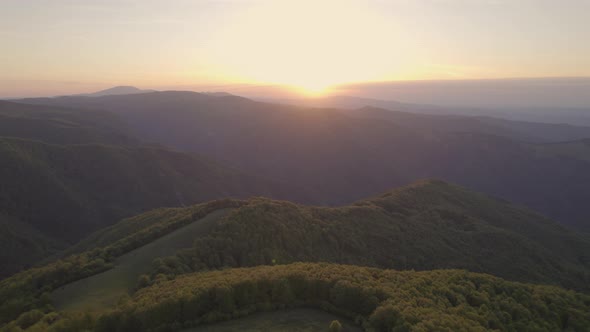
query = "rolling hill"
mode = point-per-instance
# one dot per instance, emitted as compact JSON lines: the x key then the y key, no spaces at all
{"x":579,"y":149}
{"x":428,"y":225}
{"x":344,"y":155}
{"x":575,"y":116}
{"x":67,"y":191}
{"x":521,"y":131}
{"x":67,"y":172}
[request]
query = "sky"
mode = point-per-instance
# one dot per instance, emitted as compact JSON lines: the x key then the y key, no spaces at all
{"x":53,"y":47}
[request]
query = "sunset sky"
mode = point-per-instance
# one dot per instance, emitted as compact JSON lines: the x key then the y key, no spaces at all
{"x":53,"y":46}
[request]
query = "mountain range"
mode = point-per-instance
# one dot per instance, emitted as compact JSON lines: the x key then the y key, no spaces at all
{"x":576,"y":116}
{"x":117,"y":90}
{"x":344,"y":155}
{"x":169,"y":210}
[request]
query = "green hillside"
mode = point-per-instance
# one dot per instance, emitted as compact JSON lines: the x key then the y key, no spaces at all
{"x":425,"y":226}
{"x":31,"y":289}
{"x":67,"y":191}
{"x":377,"y":300}
{"x":384,"y":300}
{"x":104,"y":290}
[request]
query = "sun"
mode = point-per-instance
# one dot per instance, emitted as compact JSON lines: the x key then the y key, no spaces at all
{"x":312,"y":89}
{"x":308,"y":44}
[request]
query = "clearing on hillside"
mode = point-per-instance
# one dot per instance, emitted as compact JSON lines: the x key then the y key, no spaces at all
{"x":105,"y":289}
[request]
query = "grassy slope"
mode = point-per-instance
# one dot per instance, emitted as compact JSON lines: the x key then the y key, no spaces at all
{"x":29,"y":289}
{"x":128,"y":226}
{"x":105,"y":289}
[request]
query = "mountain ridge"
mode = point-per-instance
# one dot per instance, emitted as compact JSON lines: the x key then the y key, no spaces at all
{"x":343,"y":158}
{"x":116,"y":90}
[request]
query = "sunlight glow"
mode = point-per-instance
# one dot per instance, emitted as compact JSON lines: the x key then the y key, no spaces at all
{"x":309,"y":45}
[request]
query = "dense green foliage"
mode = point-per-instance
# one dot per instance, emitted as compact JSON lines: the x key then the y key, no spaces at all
{"x":335,"y":326}
{"x":424,"y":226}
{"x":30,"y":289}
{"x":380,"y":300}
{"x":288,"y":320}
{"x":428,"y":225}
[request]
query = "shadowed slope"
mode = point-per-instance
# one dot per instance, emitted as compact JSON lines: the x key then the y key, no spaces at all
{"x":60,"y":125}
{"x":65,"y":192}
{"x":343,"y":156}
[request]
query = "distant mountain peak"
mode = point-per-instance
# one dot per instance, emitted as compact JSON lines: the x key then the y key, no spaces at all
{"x":218,"y":94}
{"x":117,"y":90}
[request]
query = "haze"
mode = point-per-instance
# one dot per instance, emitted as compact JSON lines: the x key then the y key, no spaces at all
{"x":65,"y":46}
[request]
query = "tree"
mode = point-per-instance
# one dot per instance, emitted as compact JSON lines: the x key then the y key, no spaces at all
{"x":335,"y":326}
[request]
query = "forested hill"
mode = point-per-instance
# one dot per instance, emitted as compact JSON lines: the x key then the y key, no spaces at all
{"x":428,"y":225}
{"x":378,"y":300}
{"x":425,"y":226}
{"x":67,"y":172}
{"x":67,"y":191}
